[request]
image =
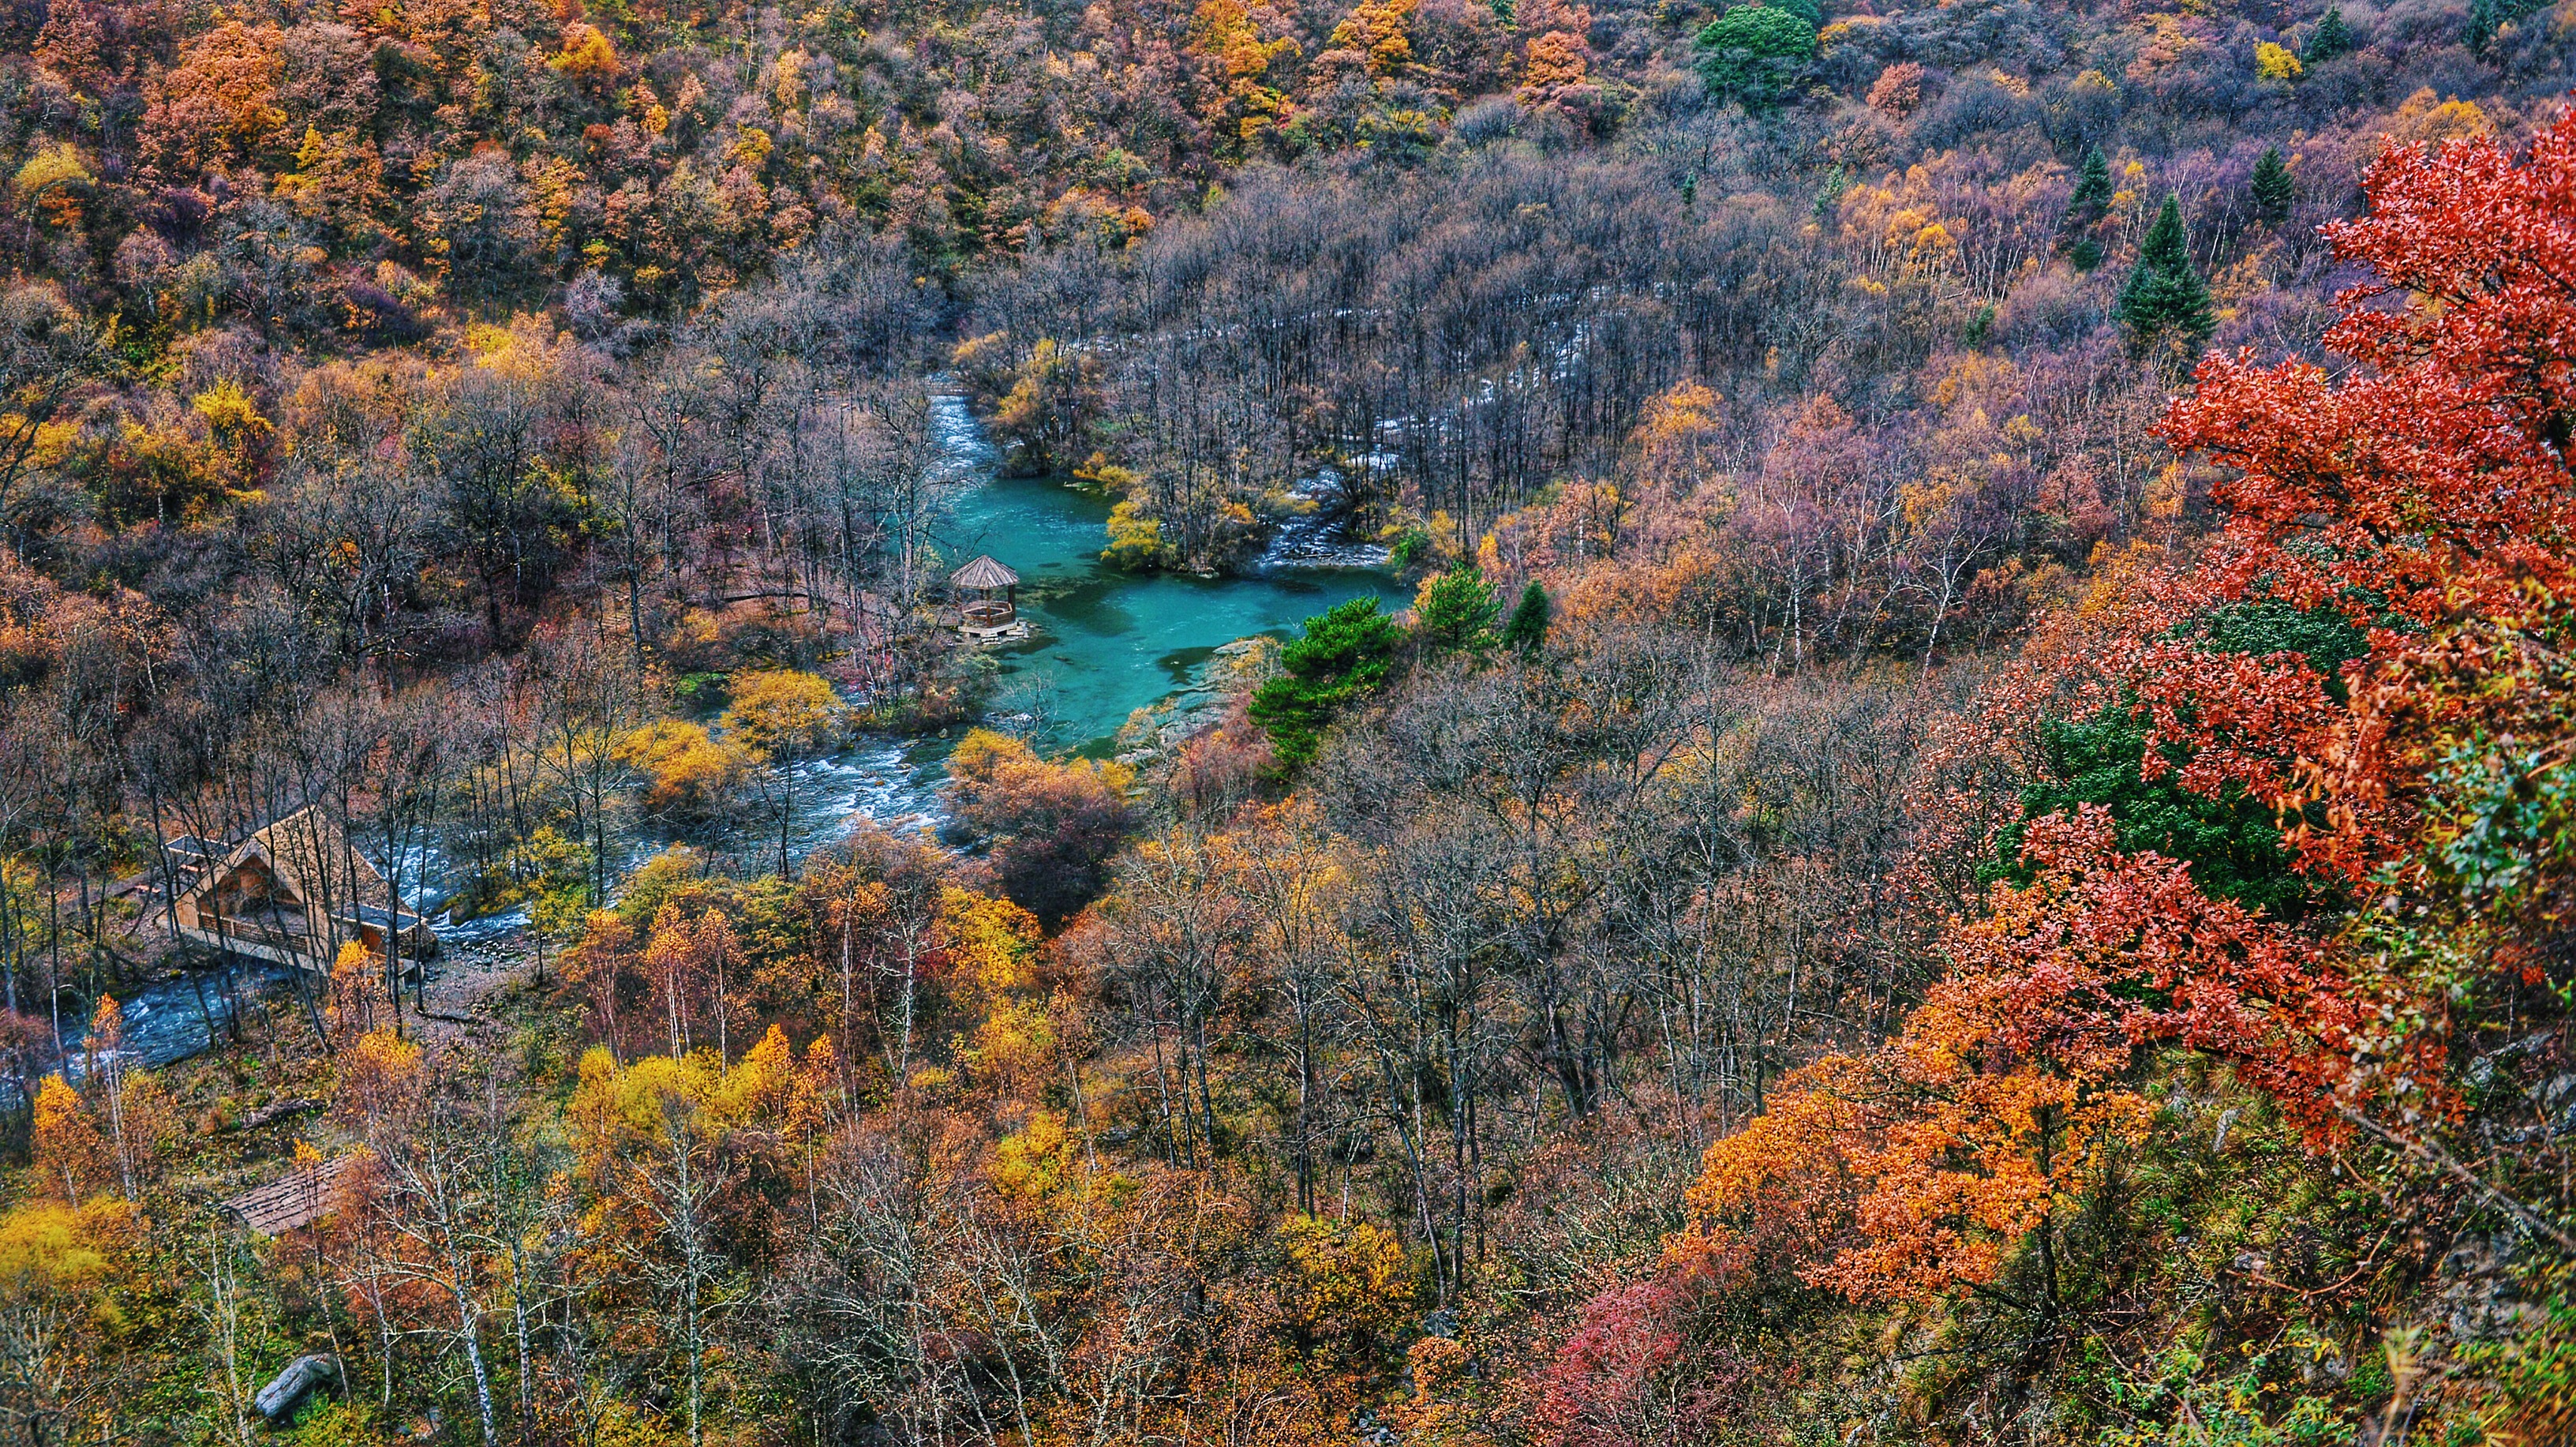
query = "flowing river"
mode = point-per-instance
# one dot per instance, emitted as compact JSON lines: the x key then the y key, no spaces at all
{"x":1104,"y":643}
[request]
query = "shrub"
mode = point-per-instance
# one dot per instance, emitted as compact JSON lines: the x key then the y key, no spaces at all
{"x":1052,"y":827}
{"x":1408,"y":548}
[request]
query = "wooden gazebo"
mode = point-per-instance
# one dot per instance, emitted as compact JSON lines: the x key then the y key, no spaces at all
{"x":987,"y":611}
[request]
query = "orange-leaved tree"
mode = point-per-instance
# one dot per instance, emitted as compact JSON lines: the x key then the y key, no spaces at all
{"x":2423,"y":505}
{"x":1053,"y":826}
{"x":1920,"y":1168}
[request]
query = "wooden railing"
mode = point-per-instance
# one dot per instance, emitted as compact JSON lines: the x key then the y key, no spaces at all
{"x":317,"y":950}
{"x":252,"y":932}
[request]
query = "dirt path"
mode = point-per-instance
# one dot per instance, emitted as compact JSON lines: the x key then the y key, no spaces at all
{"x":466,"y":980}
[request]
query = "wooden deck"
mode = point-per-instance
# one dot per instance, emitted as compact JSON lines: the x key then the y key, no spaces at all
{"x":299,"y":1200}
{"x":288,"y":939}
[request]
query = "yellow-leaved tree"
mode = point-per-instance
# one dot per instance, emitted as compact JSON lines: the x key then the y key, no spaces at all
{"x":779,"y":713}
{"x":683,"y":1164}
{"x":71,"y":1157}
{"x":686,"y":769}
{"x":58,"y":1320}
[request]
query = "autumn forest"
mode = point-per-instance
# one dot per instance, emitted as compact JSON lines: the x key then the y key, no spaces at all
{"x":1928,"y":795}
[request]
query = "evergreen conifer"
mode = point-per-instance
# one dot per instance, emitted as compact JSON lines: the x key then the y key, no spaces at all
{"x":2164,"y":292}
{"x":2085,"y":208}
{"x":1455,"y":610}
{"x":2485,"y":18}
{"x":1751,"y":53}
{"x":2331,"y":38}
{"x":1526,"y":629}
{"x":1343,"y":656}
{"x":2274,"y":192}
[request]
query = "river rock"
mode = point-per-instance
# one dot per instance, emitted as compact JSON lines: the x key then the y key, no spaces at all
{"x":302,"y":1375}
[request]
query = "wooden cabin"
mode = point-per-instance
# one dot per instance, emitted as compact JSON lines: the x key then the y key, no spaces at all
{"x":293,"y":894}
{"x":987,"y":606}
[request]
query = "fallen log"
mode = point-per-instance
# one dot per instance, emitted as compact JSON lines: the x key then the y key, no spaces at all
{"x":275,"y":1111}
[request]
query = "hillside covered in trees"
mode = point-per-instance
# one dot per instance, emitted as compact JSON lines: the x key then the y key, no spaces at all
{"x":1968,"y":837}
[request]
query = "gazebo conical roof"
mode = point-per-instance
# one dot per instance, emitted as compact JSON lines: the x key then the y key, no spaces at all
{"x":984,"y":573}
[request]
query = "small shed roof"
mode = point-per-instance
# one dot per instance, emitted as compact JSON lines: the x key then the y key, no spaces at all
{"x":985,"y":573}
{"x":298,"y":1200}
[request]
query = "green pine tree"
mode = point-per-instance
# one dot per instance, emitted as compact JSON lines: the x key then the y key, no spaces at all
{"x":1455,"y":611}
{"x":2274,"y":192}
{"x":2233,"y":842}
{"x":2164,"y":292}
{"x":2085,"y":209}
{"x":1344,"y":655}
{"x":2486,"y":17}
{"x":1526,"y":629}
{"x":2331,"y":38}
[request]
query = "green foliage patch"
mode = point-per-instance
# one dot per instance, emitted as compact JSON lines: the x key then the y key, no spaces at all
{"x":1342,"y":656}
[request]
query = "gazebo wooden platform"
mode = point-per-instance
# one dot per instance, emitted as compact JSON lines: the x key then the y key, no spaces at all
{"x":986,"y":609}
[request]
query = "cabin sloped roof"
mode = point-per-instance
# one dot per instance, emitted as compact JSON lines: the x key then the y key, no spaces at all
{"x":306,"y":840}
{"x":984,"y":573}
{"x":309,"y":854}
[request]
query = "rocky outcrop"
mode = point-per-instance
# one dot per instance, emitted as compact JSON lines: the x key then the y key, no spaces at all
{"x":277,"y":1400}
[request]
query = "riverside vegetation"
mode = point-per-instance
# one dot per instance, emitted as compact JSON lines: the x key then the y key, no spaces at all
{"x":1968,"y":836}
